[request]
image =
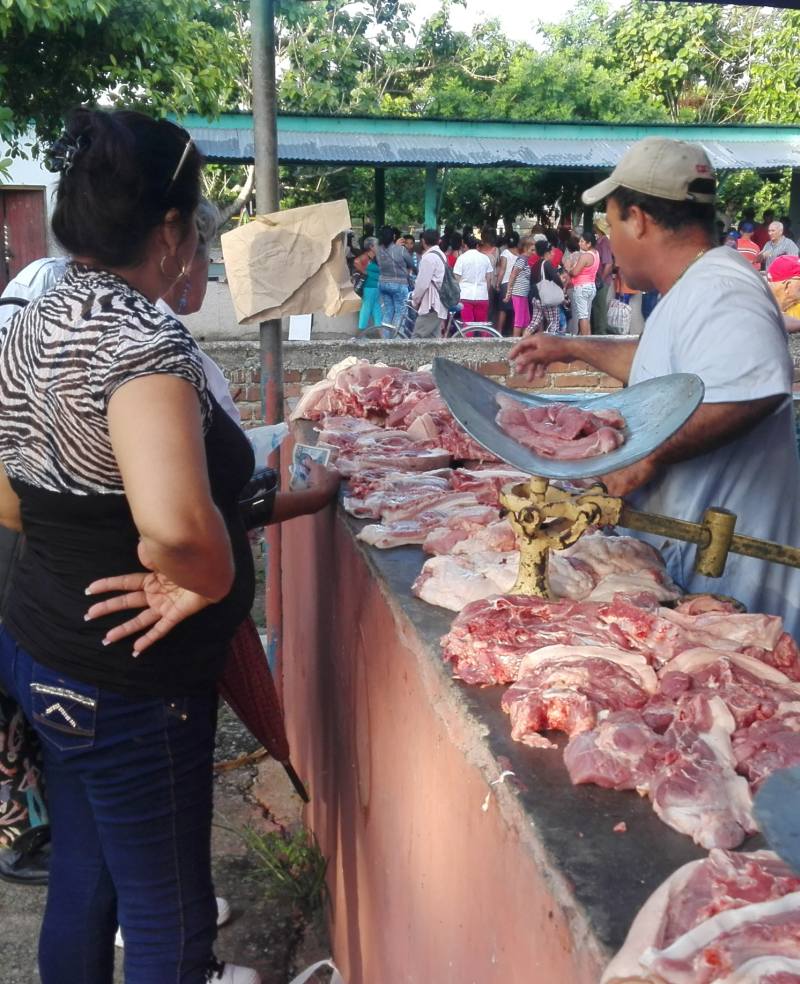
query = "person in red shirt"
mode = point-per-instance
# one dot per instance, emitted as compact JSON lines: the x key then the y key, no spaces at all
{"x":761,"y":233}
{"x":746,"y":246}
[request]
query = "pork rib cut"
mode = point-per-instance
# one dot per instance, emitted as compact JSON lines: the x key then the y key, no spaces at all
{"x":720,"y":945}
{"x":695,"y":893}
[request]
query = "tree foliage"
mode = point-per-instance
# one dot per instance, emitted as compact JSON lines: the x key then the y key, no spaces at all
{"x":160,"y":55}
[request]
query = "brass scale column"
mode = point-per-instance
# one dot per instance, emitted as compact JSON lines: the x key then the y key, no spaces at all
{"x":547,"y":518}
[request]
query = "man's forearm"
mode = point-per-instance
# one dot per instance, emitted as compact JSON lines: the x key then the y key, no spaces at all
{"x":712,"y":426}
{"x":612,"y":356}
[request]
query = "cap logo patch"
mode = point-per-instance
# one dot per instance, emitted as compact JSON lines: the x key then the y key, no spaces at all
{"x":702,"y":168}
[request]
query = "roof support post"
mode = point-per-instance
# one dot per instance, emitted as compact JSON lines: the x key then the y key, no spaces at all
{"x":794,"y":199}
{"x":265,"y":133}
{"x":431,"y":198}
{"x":380,"y":197}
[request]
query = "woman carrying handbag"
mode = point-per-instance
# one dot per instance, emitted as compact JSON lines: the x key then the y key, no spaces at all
{"x":546,"y":293}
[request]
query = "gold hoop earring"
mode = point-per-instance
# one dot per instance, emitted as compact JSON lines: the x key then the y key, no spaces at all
{"x":181,"y":273}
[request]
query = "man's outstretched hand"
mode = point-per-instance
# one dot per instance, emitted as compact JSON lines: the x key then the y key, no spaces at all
{"x":534,"y":353}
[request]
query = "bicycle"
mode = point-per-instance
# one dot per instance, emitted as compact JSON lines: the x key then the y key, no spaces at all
{"x":455,"y":327}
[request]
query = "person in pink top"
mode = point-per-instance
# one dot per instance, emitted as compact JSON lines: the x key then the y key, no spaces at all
{"x":582,"y":270}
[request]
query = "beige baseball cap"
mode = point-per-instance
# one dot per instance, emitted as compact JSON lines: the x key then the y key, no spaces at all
{"x":659,"y":167}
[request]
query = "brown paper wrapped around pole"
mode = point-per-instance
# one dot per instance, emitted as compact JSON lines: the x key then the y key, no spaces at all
{"x":290,"y":262}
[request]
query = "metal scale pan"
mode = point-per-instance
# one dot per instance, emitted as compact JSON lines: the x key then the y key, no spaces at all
{"x":653,"y":410}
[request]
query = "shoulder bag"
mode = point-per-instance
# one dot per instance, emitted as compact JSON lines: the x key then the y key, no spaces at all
{"x":550,"y":294}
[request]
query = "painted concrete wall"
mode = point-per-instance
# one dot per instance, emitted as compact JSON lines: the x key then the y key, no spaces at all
{"x":426,"y":887}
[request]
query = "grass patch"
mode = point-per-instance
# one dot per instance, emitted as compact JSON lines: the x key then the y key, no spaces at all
{"x":293,"y":865}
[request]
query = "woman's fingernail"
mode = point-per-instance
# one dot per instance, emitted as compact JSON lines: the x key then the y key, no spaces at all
{"x":88,"y":591}
{"x":87,"y":617}
{"x":106,"y":642}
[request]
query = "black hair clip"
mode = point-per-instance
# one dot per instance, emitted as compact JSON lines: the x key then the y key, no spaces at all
{"x":61,"y":155}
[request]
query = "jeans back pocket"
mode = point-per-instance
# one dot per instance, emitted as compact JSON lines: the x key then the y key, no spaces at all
{"x":63,"y":711}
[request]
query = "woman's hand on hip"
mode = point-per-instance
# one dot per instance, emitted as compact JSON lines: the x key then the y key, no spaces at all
{"x":164,"y":604}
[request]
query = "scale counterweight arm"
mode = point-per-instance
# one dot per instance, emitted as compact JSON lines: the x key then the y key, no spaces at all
{"x":715,"y":538}
{"x":547,"y":518}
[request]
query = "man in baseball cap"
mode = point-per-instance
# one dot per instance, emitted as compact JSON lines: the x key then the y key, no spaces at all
{"x":783,"y":277}
{"x":717,"y":319}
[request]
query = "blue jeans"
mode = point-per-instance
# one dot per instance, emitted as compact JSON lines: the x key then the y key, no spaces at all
{"x":129,"y":787}
{"x":393,"y":302}
{"x":370,"y":313}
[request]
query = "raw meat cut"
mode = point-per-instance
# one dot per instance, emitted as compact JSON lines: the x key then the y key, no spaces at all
{"x":564,"y":688}
{"x":769,"y":745}
{"x":696,"y":791}
{"x":415,"y":530}
{"x":752,"y":690}
{"x":660,"y":636}
{"x":367,"y":500}
{"x":784,"y":657}
{"x":598,"y":566}
{"x":621,"y":752}
{"x":693,"y":895}
{"x":720,"y":945}
{"x":762,"y":631}
{"x":725,"y":880}
{"x":488,"y":483}
{"x":560,"y":430}
{"x":765,"y":970}
{"x":360,"y":389}
{"x":342,"y":432}
{"x":699,"y":604}
{"x":489,"y":638}
{"x":497,"y":537}
{"x":453,"y":581}
{"x":644,"y":587}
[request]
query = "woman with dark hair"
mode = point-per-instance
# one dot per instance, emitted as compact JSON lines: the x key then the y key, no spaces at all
{"x":508,"y":257}
{"x":582,"y":268}
{"x":367,"y":265}
{"x":544,"y":317}
{"x":395,"y":265}
{"x":473,"y":271}
{"x":454,"y":249}
{"x":116,"y":459}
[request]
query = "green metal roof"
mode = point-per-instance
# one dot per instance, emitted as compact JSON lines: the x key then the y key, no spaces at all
{"x":402,"y":142}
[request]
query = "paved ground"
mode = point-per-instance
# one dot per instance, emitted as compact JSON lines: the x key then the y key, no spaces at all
{"x":263,"y":933}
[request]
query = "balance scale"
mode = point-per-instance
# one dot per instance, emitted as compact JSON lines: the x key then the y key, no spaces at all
{"x":546,"y":517}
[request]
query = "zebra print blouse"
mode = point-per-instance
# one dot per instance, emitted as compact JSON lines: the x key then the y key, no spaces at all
{"x":61,"y":360}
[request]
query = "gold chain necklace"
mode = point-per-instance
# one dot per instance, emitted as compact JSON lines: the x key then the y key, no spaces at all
{"x":691,"y":263}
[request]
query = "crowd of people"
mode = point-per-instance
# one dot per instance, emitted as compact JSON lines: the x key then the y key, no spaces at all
{"x":554,"y":280}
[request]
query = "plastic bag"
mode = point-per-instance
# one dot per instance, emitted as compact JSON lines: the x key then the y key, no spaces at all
{"x":619,"y":317}
{"x":309,"y":972}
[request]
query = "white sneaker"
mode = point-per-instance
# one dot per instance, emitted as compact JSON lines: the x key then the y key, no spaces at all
{"x":223,"y":915}
{"x":228,"y":973}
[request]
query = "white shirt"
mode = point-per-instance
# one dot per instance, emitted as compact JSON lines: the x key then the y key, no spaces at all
{"x":31,"y":281}
{"x":473,"y":267}
{"x":510,"y":259}
{"x":217,"y":383}
{"x":721,"y":322}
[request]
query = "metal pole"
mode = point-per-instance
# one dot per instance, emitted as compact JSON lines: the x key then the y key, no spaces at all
{"x":431,"y":218}
{"x":380,"y":198}
{"x":265,"y":133}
